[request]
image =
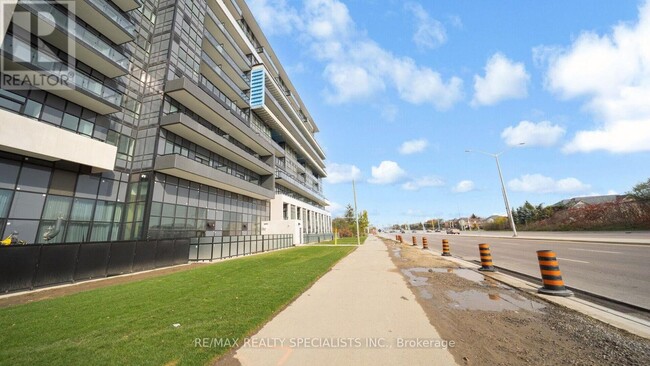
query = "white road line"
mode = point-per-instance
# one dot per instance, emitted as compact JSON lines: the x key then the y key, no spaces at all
{"x":597,"y":251}
{"x":572,"y":260}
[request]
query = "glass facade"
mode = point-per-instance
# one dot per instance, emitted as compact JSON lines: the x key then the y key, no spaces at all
{"x":55,"y":201}
{"x":34,"y":194}
{"x":186,"y":209}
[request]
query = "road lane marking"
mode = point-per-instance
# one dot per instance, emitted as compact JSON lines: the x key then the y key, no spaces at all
{"x":597,"y":251}
{"x":572,"y":260}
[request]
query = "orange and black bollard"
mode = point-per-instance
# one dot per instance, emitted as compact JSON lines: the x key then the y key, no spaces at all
{"x":415,"y":241}
{"x":425,"y":243}
{"x":551,"y":275}
{"x":445,"y":248}
{"x":486,"y":258}
{"x":399,"y":238}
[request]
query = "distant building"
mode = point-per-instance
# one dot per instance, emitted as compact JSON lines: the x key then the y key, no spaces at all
{"x":578,"y":202}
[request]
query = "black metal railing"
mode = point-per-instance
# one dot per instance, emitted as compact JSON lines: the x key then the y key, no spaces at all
{"x":219,"y":247}
{"x":317,"y":238}
{"x":25,"y":267}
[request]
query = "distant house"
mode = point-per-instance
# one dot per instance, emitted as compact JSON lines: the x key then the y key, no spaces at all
{"x":493,"y":218}
{"x":578,"y":202}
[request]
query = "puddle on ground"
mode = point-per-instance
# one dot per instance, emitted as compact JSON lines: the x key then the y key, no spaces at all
{"x":470,"y":275}
{"x":498,"y":297}
{"x":413,"y":279}
{"x":492,"y":301}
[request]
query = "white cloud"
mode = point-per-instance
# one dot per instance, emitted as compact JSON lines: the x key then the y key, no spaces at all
{"x":423,"y":182}
{"x":464,"y":186}
{"x":615,"y":136}
{"x":455,"y":21}
{"x":386,"y":173}
{"x":413,"y":146}
{"x":356,"y":68}
{"x":533,"y":134}
{"x":504,"y":79}
{"x":537,"y":183}
{"x":351,"y":81}
{"x":342,"y":173}
{"x":335,"y":208}
{"x":275,"y":16}
{"x":327,"y":19}
{"x":388,"y":111}
{"x":613,"y":72}
{"x":429,"y":33}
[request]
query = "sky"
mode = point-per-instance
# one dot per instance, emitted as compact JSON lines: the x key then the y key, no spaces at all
{"x":401,"y":89}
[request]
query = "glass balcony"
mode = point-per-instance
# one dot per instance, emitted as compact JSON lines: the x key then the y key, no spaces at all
{"x":300,"y":182}
{"x":223,"y":79}
{"x":105,"y":18}
{"x":114,"y":15}
{"x":87,"y":38}
{"x":227,"y":103}
{"x":24,"y":54}
{"x":224,"y":54}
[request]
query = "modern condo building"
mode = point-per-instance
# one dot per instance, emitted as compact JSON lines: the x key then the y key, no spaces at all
{"x":136,"y":119}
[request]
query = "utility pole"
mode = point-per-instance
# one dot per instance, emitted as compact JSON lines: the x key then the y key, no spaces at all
{"x":356,"y":215}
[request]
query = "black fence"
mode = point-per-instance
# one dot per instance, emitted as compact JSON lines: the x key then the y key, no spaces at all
{"x":24,"y":267}
{"x":218,"y":247}
{"x":317,"y":238}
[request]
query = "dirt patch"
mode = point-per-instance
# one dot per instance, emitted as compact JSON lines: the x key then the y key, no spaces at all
{"x":493,"y":324}
{"x":54,"y":292}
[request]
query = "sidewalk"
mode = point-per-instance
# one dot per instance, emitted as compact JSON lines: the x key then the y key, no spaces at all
{"x":359,"y":313}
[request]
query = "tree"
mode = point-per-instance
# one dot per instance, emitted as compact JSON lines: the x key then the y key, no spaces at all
{"x":363,"y":222}
{"x":349,"y":213}
{"x":641,"y":191}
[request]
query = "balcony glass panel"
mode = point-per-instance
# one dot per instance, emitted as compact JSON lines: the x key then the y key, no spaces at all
{"x":23,"y":52}
{"x":81,"y":33}
{"x":114,"y":14}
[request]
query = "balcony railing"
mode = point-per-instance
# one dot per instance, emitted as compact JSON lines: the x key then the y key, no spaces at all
{"x":114,"y":15}
{"x":222,"y":74}
{"x":281,"y":174}
{"x":211,"y":89}
{"x":23,"y":52}
{"x":226,"y":34}
{"x":83,"y":34}
{"x":219,"y":47}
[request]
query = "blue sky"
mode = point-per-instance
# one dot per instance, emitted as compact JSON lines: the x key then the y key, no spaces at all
{"x":400,"y":89}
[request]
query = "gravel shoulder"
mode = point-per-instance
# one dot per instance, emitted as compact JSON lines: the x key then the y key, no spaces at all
{"x":493,"y":324}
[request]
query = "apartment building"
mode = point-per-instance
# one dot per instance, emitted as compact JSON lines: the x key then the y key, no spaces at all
{"x":135,"y":119}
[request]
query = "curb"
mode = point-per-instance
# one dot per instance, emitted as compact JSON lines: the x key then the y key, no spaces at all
{"x":612,"y":317}
{"x":580,"y":240}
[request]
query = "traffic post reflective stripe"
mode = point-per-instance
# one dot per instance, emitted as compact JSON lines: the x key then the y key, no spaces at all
{"x":486,"y":258}
{"x":551,"y":275}
{"x":445,"y":248}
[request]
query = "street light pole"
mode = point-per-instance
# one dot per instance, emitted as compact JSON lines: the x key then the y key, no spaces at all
{"x":354,"y":191}
{"x":505,"y":197}
{"x":503,"y":187}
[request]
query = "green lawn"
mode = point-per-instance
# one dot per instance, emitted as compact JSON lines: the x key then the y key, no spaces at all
{"x":348,"y":240}
{"x":131,"y":324}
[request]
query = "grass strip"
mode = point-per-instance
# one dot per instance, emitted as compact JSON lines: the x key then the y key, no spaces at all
{"x":132,"y":324}
{"x":346,"y":240}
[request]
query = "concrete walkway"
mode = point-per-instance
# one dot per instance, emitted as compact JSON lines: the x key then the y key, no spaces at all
{"x":360,"y":313}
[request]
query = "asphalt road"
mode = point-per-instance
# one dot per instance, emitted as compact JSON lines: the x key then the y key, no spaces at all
{"x":617,"y":270}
